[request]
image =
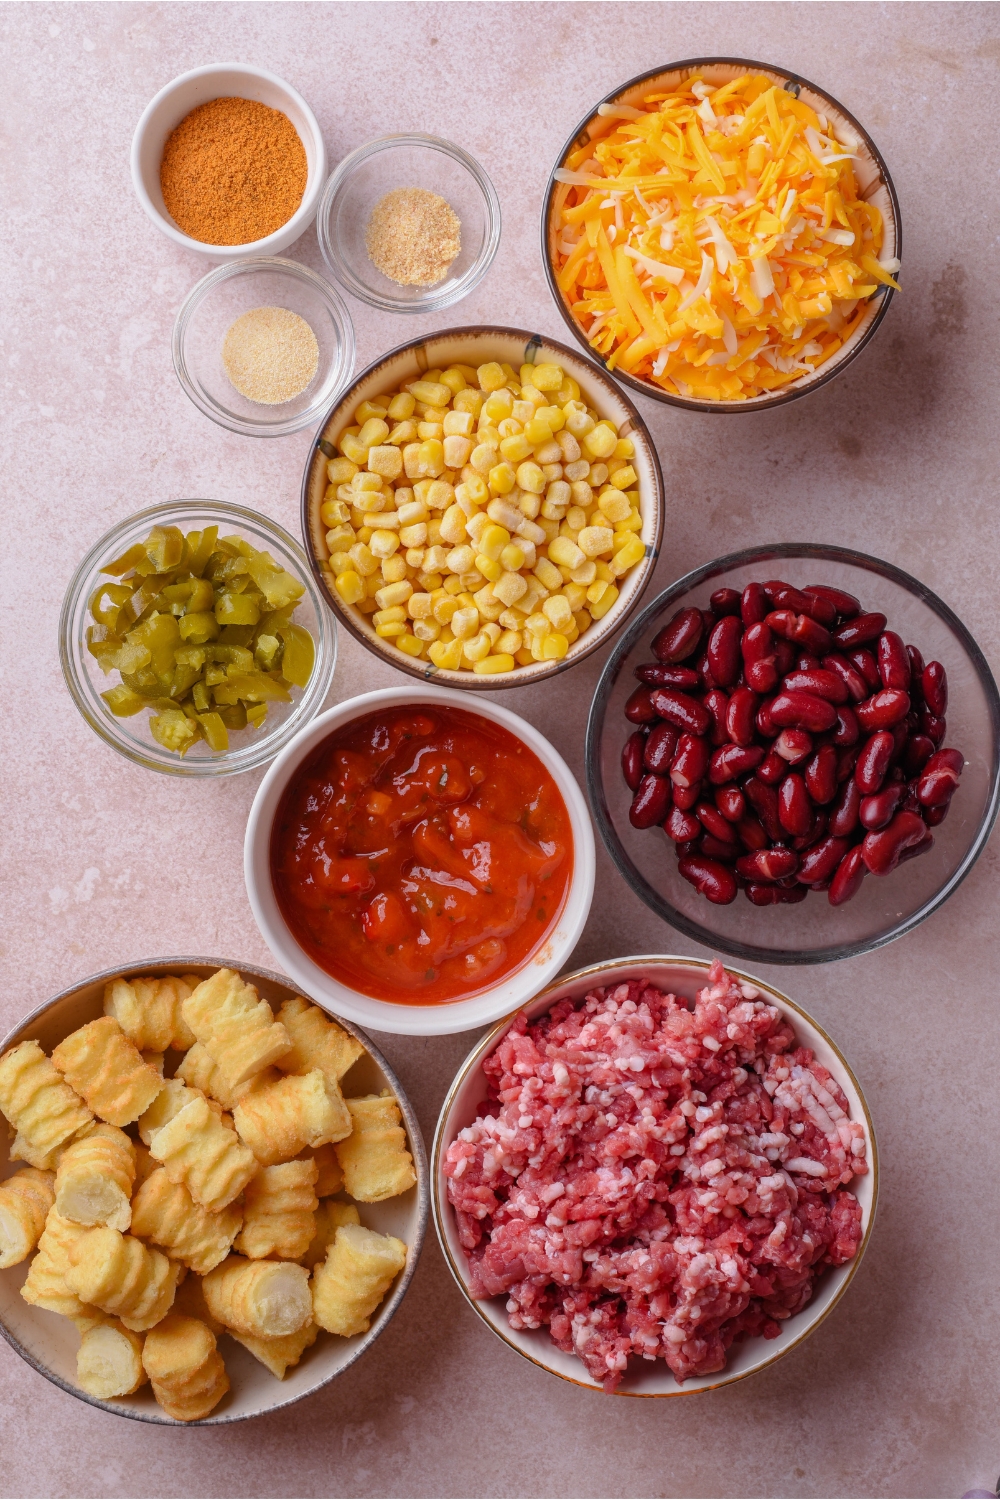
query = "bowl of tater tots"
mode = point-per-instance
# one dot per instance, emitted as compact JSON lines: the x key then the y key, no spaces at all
{"x":213,"y":1195}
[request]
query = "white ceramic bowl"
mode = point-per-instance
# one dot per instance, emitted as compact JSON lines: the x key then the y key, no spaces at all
{"x":684,"y":977}
{"x":220,"y":81}
{"x":416,"y":1020}
{"x":49,"y":1342}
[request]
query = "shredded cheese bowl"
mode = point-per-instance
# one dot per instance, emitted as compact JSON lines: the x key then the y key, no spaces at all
{"x":524,"y":546}
{"x":722,"y":235}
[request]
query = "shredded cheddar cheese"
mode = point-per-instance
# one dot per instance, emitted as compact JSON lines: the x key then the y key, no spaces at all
{"x":713,"y":243}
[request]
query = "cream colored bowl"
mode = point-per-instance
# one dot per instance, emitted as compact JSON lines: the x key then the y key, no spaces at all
{"x":477,"y":346}
{"x":684,"y":977}
{"x":48,"y":1342}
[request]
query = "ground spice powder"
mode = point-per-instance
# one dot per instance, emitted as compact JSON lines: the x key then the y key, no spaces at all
{"x":233,"y":171}
{"x":413,"y":236}
{"x":270,"y":355}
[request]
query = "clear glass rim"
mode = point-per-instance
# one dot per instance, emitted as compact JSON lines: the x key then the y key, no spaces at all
{"x":231,"y":762}
{"x":595,"y":722}
{"x":342,"y":270}
{"x":328,"y":392}
{"x":847,"y":353}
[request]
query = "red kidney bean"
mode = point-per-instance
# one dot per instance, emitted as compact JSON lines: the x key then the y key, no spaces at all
{"x":724,"y":651}
{"x":783,"y":596}
{"x":731,"y":803}
{"x":681,"y":710}
{"x":919,"y":750}
{"x":705,"y":677}
{"x":714,"y":823}
{"x":685,"y":797}
{"x":639,"y":707}
{"x":847,"y":730}
{"x":803,"y":711}
{"x":775,"y":895}
{"x":932,"y":816}
{"x":632,"y":759}
{"x":687,"y":846}
{"x":848,"y":878}
{"x":845,"y":604}
{"x":820,"y":607}
{"x":875,"y":811}
{"x":675,"y":677}
{"x":934,"y":682}
{"x":819,"y":862}
{"x":846,"y":761}
{"x":763,"y":721}
{"x":856,"y":685}
{"x":860,"y":630}
{"x":819,"y":682}
{"x":785,"y":657}
{"x":710,"y":878}
{"x":757,"y":648}
{"x":732,"y":761}
{"x":751,"y":832}
{"x":772,"y":769}
{"x":806,"y":663}
{"x":821,"y":775}
{"x":883,"y":709}
{"x":708,"y":619}
{"x":650,"y":803}
{"x":740,"y":711}
{"x":813,"y":834}
{"x":881,"y":850}
{"x":916,"y":664}
{"x":845,"y":810}
{"x":868,"y":667}
{"x":690,"y":761}
{"x":940,"y":777}
{"x":716,"y":701}
{"x":873,"y":762}
{"x":753,"y":605}
{"x":660,"y":747}
{"x":726,"y":601}
{"x":916,"y":849}
{"x":811,"y":634}
{"x":792,"y":745}
{"x":794,"y":807}
{"x":714,"y":848}
{"x":679,"y":639}
{"x":681,"y":826}
{"x":768,"y":864}
{"x":893,"y":662}
{"x":764,"y":801}
{"x":900,"y":736}
{"x":932,"y":726}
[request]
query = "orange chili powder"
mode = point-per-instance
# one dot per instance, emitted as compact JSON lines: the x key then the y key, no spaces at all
{"x":233,"y":171}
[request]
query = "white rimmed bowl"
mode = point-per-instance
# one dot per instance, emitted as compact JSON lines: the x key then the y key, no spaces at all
{"x":49,"y":1342}
{"x":416,"y":1020}
{"x":475,"y":346}
{"x":176,"y":100}
{"x":683,"y":977}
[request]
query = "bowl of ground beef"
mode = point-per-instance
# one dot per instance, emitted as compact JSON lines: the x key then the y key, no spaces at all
{"x":656,"y":1179}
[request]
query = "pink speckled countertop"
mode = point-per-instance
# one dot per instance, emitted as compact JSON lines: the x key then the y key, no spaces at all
{"x":897,"y":1393}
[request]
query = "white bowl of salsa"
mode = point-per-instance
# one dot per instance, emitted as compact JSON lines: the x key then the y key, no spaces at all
{"x":420,"y":865}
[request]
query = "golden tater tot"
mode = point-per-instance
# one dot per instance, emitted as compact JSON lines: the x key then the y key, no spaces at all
{"x":280,"y":1355}
{"x":109,"y":1360}
{"x":279,"y":1211}
{"x":106,"y":1070}
{"x":277,"y":1119}
{"x":25,"y":1200}
{"x":169,"y":1102}
{"x":359,"y":1269}
{"x":149,"y":1011}
{"x":236,"y":1026}
{"x":94,"y":1179}
{"x":262,"y":1298}
{"x":329,"y":1174}
{"x":190,"y":1300}
{"x":117,"y":1273}
{"x":184,"y":1367}
{"x":317,"y":1042}
{"x":199,"y":1070}
{"x":43,"y":1109}
{"x":330,"y":1216}
{"x":374,"y":1158}
{"x":197,"y":1149}
{"x":165,"y":1213}
{"x":47,"y":1284}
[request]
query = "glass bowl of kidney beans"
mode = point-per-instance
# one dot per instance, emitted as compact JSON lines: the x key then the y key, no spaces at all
{"x":784,"y":723}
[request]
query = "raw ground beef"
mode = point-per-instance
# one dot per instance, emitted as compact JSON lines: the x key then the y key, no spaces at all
{"x":654,"y":1180}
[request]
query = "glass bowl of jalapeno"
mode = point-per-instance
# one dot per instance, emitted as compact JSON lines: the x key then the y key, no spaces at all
{"x":194,"y":640}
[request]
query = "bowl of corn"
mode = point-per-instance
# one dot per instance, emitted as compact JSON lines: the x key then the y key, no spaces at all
{"x":483,"y":506}
{"x":724,"y":235}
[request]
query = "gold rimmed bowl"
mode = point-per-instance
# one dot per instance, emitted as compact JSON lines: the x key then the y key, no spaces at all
{"x":683,"y":977}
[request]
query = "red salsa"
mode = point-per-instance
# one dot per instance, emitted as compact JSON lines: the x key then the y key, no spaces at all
{"x":421,"y":855}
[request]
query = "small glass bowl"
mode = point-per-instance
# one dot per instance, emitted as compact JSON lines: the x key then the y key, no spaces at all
{"x":215,"y":303}
{"x":396,"y":161}
{"x":131,"y":737}
{"x":884,"y":908}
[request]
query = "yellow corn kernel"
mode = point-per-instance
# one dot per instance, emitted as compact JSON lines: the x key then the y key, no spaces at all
{"x":537,"y":624}
{"x":546,"y":377}
{"x":411,"y":460}
{"x":452,"y":584}
{"x":401,"y":434}
{"x":515,"y":448}
{"x":508,"y":642}
{"x":498,"y":407}
{"x":614,"y":505}
{"x":600,"y":441}
{"x":370,"y":409}
{"x":461,"y":559}
{"x":454,"y":379}
{"x":510,"y":587}
{"x":410,"y":512}
{"x":475,"y":488}
{"x":600,"y":607}
{"x":362,"y":559}
{"x":624,"y":449}
{"x":446,"y":655}
{"x":564,"y":553}
{"x":350,"y":587}
{"x":493,"y":540}
{"x":538,"y":433}
{"x":491,"y":377}
{"x":393,"y":593}
{"x":548,"y":575}
{"x":578,"y":420}
{"x":512,"y":557}
{"x":457,"y":451}
{"x":409,"y":645}
{"x":393,"y":616}
{"x":501,"y":479}
{"x":419,"y":606}
{"x":387,"y":462}
{"x":390,"y":630}
{"x":444,"y":609}
{"x":364,"y":479}
{"x":340,"y":471}
{"x":374,"y":432}
{"x":584,"y":574}
{"x":576,"y":594}
{"x":430,"y":392}
{"x":430,"y":430}
{"x":488,"y":567}
{"x":383,"y":543}
{"x":453,"y":525}
{"x":623,"y":478}
{"x":554,"y":646}
{"x":458,"y":424}
{"x":627,"y":556}
{"x":576,"y":520}
{"x":530,"y":478}
{"x":394,"y":568}
{"x":431,"y":458}
{"x":339,"y":538}
{"x":483,"y":458}
{"x":334,"y":512}
{"x":413,"y":536}
{"x":557,"y":611}
{"x":464,"y":623}
{"x":523,"y":657}
{"x":476,"y":648}
{"x":595,"y":540}
{"x":426,"y":630}
{"x":402,"y":407}
{"x":373,"y":584}
{"x":491,"y":665}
